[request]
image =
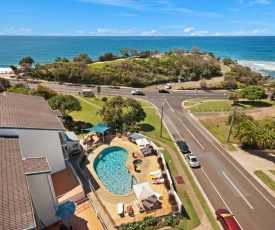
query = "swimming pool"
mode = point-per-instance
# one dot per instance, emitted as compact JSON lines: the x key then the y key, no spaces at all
{"x":110,"y":167}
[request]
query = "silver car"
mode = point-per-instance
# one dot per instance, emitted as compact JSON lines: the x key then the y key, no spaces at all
{"x":192,"y":160}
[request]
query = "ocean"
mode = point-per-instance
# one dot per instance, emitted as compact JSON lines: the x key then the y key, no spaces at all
{"x":257,"y":52}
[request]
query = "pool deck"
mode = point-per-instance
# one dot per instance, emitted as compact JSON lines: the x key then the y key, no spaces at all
{"x":111,"y":200}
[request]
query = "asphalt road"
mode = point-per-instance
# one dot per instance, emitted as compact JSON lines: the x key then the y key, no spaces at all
{"x":225,"y":183}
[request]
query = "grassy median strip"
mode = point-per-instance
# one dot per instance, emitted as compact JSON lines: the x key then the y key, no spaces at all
{"x":272,"y":171}
{"x":266,"y":179}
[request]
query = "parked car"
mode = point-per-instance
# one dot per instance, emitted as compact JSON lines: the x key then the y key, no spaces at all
{"x":168,"y":86}
{"x":182,"y":146}
{"x":192,"y":160}
{"x":227,"y":219}
{"x":137,"y":92}
{"x":163,"y":91}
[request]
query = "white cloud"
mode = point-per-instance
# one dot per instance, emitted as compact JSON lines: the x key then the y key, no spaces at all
{"x":107,"y":32}
{"x":188,"y":30}
{"x":263,"y":2}
{"x":17,"y":31}
{"x":151,"y":33}
{"x":233,"y":9}
{"x":237,"y":21}
{"x":80,"y":32}
{"x":244,"y":33}
{"x":200,"y":33}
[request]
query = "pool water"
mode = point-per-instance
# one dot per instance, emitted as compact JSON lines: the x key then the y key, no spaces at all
{"x":110,"y":166}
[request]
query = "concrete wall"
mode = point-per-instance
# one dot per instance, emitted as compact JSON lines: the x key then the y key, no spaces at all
{"x":42,"y":197}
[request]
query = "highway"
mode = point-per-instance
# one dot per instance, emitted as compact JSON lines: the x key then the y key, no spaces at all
{"x":224,"y":181}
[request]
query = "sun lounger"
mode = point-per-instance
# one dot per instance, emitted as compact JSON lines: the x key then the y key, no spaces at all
{"x":155,"y":172}
{"x":129,"y":209}
{"x":120,"y":209}
{"x":158,"y":181}
{"x":147,"y":204}
{"x":156,"y":176}
{"x":138,"y":205}
{"x":158,"y":196}
{"x":152,"y":199}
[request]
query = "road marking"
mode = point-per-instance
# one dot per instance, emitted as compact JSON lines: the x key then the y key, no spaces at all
{"x":191,"y":134}
{"x":169,"y":105}
{"x":213,"y":143}
{"x":235,"y":187}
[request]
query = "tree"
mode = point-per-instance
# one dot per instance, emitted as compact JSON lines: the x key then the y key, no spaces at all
{"x":98,"y":90}
{"x":44,"y":92}
{"x":234,"y":97}
{"x":253,"y":93}
{"x":122,"y":113}
{"x":83,"y":58}
{"x":26,"y":60}
{"x":65,"y":104}
{"x":4,"y":84}
{"x":227,"y":61}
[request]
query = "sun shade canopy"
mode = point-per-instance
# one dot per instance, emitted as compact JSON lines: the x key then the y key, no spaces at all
{"x":99,"y":128}
{"x":136,"y":136}
{"x":143,"y":190}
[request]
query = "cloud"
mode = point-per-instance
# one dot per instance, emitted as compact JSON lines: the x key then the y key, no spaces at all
{"x":80,"y":32}
{"x":17,"y":31}
{"x":151,"y":33}
{"x":188,"y":30}
{"x":256,"y":32}
{"x":200,"y":33}
{"x":106,"y":32}
{"x":233,"y":9}
{"x":263,"y":2}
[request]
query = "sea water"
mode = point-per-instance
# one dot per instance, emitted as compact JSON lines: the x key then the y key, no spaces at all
{"x":256,"y":52}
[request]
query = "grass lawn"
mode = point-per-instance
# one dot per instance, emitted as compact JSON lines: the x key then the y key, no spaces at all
{"x":266,"y":179}
{"x":272,"y":171}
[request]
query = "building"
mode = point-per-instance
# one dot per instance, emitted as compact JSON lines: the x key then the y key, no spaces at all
{"x":31,"y":151}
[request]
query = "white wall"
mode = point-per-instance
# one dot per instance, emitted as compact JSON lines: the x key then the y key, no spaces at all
{"x":40,"y":143}
{"x":42,"y":198}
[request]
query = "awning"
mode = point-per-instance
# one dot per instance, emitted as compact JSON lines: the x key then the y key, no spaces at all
{"x":143,"y":190}
{"x":136,"y":136}
{"x":99,"y":128}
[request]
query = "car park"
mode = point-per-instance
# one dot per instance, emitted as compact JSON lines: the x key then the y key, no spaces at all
{"x":182,"y":146}
{"x":168,"y":86}
{"x":227,"y":219}
{"x":137,"y":92}
{"x":192,"y":160}
{"x":163,"y":91}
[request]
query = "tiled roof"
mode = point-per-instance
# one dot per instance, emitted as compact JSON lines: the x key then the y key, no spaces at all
{"x":15,"y":204}
{"x":36,"y":165}
{"x":25,"y":111}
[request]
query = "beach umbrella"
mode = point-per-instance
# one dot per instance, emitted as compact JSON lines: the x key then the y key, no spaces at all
{"x":143,"y":190}
{"x":66,"y":209}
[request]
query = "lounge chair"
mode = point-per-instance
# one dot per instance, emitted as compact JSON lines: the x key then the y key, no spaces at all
{"x":147,"y":204}
{"x":155,"y":172}
{"x":138,"y":205}
{"x":152,"y":199}
{"x":156,"y":176}
{"x":120,"y":208}
{"x":129,"y":209}
{"x":158,"y":181}
{"x":158,"y":196}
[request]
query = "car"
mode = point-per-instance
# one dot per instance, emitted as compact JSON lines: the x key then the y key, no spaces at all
{"x":182,"y":146}
{"x":192,"y":160}
{"x":168,"y":86}
{"x":137,"y":92}
{"x":227,"y":220}
{"x":163,"y":91}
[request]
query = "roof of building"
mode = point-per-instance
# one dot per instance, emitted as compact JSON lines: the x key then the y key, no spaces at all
{"x":26,"y":111}
{"x":16,"y":209}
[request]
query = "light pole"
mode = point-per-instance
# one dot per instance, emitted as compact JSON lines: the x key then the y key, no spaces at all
{"x":161,"y":119}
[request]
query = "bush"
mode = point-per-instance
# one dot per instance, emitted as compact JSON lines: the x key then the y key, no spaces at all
{"x":159,"y":160}
{"x":161,"y":165}
{"x":104,"y":99}
{"x":150,"y":221}
{"x":164,"y":176}
{"x":172,"y":199}
{"x":167,"y":184}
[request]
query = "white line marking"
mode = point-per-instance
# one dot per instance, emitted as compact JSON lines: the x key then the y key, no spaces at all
{"x":229,"y":160}
{"x":169,"y":105}
{"x":191,"y":134}
{"x":235,"y":187}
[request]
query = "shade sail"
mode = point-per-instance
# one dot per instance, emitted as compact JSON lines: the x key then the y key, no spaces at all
{"x":66,"y":209}
{"x":143,"y":190}
{"x":99,"y":128}
{"x":136,"y":136}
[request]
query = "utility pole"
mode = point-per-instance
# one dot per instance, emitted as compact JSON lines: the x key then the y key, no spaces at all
{"x":161,"y":120}
{"x":232,"y":122}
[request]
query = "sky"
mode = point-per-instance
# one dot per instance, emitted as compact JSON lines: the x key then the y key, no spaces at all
{"x":138,"y":17}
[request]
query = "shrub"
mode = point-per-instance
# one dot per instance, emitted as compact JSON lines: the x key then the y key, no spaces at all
{"x":104,"y":99}
{"x":161,"y":165}
{"x":150,"y":221}
{"x":164,"y":176}
{"x":167,"y":184}
{"x":172,"y":199}
{"x":159,"y":160}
